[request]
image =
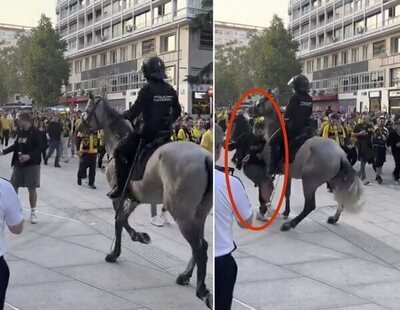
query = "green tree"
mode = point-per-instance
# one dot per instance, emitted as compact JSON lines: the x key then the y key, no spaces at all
{"x":43,"y":68}
{"x":273,"y":58}
{"x":9,"y":77}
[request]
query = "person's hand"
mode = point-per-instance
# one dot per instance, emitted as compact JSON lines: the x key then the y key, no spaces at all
{"x":247,"y":157}
{"x":24,"y":158}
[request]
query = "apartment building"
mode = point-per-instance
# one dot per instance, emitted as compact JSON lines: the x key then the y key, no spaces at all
{"x":237,"y":34}
{"x":350,"y":50}
{"x":108,"y":40}
{"x":9,"y":35}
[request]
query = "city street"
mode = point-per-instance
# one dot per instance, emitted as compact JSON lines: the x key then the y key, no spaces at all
{"x":352,"y":265}
{"x":59,"y":262}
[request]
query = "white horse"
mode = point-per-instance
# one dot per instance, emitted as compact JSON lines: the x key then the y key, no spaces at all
{"x":318,"y":161}
{"x":178,"y":175}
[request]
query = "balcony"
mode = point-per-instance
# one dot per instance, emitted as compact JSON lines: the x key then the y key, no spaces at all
{"x":162,"y":19}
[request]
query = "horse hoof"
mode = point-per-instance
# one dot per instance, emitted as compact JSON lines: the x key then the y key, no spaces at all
{"x":286,"y":226}
{"x":111,"y":258}
{"x":182,"y":279}
{"x":262,"y":217}
{"x":144,"y":238}
{"x":331,"y":220}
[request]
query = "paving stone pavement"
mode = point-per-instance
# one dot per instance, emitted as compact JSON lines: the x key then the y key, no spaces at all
{"x":352,"y":265}
{"x":59,"y":262}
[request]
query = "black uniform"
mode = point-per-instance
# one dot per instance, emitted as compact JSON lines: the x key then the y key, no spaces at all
{"x":155,"y":110}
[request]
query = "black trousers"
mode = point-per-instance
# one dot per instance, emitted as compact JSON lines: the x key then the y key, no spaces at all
{"x":4,"y":277}
{"x":102,"y":152}
{"x":225,"y":279}
{"x":6,"y":137}
{"x":87,"y":161}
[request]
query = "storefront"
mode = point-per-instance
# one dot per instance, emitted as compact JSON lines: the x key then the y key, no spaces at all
{"x":375,"y":101}
{"x":321,"y":103}
{"x":394,"y":101}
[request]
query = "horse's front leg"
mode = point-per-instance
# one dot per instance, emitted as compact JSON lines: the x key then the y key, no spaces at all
{"x":184,"y":277}
{"x":287,"y":198}
{"x":335,"y":218}
{"x":116,"y":252}
{"x":141,"y":237}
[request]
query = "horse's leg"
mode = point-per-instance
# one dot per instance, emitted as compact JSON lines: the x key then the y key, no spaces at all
{"x":335,"y":218}
{"x":193,"y":233}
{"x":116,"y":252}
{"x":142,"y":237}
{"x":309,"y":206}
{"x":287,"y":198}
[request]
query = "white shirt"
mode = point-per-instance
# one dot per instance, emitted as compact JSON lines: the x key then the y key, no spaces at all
{"x":224,"y":214}
{"x":10,"y":210}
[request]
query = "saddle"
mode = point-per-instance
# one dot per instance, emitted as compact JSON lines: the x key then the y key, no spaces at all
{"x":144,"y":154}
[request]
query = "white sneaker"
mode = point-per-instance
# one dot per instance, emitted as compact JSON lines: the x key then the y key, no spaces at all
{"x":33,"y":218}
{"x":157,"y":221}
{"x":164,"y":216}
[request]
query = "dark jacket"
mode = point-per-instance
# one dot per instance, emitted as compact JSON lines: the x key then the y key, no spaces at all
{"x":26,"y":143}
{"x":393,"y":139}
{"x":298,"y":113}
{"x":158,"y":107}
{"x":54,"y":130}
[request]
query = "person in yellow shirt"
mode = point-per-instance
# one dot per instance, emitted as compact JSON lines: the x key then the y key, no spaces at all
{"x":5,"y":130}
{"x":185,"y":133}
{"x":207,"y":139}
{"x":335,"y":131}
{"x":87,"y":151}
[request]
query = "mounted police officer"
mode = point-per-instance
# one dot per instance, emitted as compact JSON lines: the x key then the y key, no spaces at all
{"x":297,"y":117}
{"x":155,"y":110}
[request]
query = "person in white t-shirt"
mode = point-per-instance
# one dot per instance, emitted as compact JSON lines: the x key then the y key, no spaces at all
{"x":225,"y":265}
{"x":10,"y":215}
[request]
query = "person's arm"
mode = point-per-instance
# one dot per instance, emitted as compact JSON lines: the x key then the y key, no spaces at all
{"x":242,"y":202}
{"x":176,"y":109}
{"x":37,"y":143}
{"x":13,"y":210}
{"x":291,"y":108}
{"x":137,"y":107}
{"x":325,"y":132}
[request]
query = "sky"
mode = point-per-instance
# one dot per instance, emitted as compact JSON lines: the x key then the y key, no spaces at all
{"x":26,"y":12}
{"x":250,"y":12}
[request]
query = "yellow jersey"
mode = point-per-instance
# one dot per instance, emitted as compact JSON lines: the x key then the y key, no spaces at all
{"x":207,"y":141}
{"x":5,"y":123}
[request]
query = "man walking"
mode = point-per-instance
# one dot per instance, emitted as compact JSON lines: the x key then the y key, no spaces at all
{"x":5,"y":129}
{"x":88,"y":156}
{"x":225,"y":264}
{"x":10,"y":215}
{"x":54,"y":131}
{"x":26,"y":160}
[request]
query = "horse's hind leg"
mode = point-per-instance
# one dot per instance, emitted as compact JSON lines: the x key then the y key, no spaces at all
{"x":335,"y":218}
{"x":184,"y":277}
{"x":116,"y":252}
{"x":142,"y":237}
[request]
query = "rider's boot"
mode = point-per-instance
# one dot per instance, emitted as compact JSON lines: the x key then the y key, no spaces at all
{"x":122,"y":169}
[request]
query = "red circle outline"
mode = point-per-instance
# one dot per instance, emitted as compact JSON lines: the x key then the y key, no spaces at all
{"x":286,"y":146}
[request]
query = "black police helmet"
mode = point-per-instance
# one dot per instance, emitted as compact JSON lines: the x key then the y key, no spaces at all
{"x":154,"y":68}
{"x":300,"y":83}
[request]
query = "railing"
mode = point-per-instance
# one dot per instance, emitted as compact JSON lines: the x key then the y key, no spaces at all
{"x":162,"y":19}
{"x":391,"y":21}
{"x":390,"y":60}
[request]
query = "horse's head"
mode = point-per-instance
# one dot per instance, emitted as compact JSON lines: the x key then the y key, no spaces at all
{"x":262,"y":107}
{"x":92,"y":118}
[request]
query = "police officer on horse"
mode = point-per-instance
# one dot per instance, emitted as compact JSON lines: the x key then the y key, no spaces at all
{"x":297,"y":118}
{"x":155,"y":110}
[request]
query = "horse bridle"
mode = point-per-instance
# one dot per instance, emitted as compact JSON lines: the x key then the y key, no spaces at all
{"x":92,"y":114}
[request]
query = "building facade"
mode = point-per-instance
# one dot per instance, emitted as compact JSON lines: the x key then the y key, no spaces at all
{"x":350,"y":50}
{"x":237,"y":34}
{"x":8,"y":38}
{"x":108,"y":40}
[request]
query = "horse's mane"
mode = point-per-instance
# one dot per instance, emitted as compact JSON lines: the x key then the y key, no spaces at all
{"x":122,"y":127}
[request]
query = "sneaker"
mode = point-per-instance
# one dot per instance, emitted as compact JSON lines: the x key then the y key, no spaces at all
{"x":164,"y":216}
{"x":33,"y":218}
{"x":157,"y":221}
{"x":92,"y":187}
{"x":379,"y":179}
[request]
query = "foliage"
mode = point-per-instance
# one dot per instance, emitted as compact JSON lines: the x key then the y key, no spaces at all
{"x":268,"y":62}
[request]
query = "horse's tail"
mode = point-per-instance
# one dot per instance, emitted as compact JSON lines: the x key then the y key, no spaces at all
{"x":348,"y":188}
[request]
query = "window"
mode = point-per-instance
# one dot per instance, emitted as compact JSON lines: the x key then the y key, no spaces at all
{"x":394,"y":45}
{"x":326,"y":62}
{"x":354,"y":55}
{"x":128,"y":25}
{"x":106,"y":33}
{"x":142,"y":20}
{"x":335,"y":60}
{"x":87,"y":63}
{"x":148,"y":47}
{"x":395,"y":77}
{"x":373,"y":22}
{"x":124,"y":54}
{"x":113,"y":57}
{"x":134,"y":54}
{"x":103,"y":59}
{"x":365,"y":52}
{"x":170,"y":73}
{"x":206,"y":39}
{"x":94,"y":62}
{"x":348,"y":31}
{"x":167,"y":43}
{"x":318,"y":63}
{"x":78,"y":66}
{"x":338,"y":35}
{"x":379,"y":48}
{"x":310,"y":66}
{"x":117,"y":30}
{"x":161,"y":11}
{"x":345,"y":59}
